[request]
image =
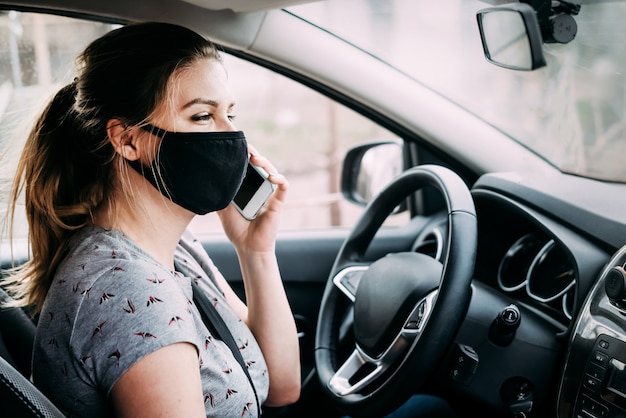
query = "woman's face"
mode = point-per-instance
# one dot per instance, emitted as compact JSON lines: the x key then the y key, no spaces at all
{"x":199,"y":100}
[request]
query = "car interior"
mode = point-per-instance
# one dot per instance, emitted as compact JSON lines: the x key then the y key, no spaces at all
{"x":484,"y":268}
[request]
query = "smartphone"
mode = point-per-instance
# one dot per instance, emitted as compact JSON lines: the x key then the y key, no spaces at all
{"x":254,"y":191}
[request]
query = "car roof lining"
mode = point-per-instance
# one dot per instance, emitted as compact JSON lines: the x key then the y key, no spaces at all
{"x":218,"y":15}
{"x":247,"y":5}
{"x":220,"y":22}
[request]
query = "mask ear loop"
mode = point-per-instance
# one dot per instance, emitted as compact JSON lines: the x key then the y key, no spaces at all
{"x":155,"y":169}
{"x":150,"y":172}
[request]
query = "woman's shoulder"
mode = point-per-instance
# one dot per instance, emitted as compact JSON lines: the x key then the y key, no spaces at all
{"x":107,"y":280}
{"x":103,"y":266}
{"x":95,"y":243}
{"x":95,"y":252}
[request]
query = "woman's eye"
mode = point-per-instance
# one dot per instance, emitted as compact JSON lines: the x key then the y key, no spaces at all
{"x":204,"y":117}
{"x":201,"y":117}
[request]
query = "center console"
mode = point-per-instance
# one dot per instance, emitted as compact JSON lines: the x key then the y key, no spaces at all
{"x":594,"y":379}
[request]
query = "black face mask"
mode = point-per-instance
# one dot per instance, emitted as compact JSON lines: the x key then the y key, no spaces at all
{"x":200,"y":171}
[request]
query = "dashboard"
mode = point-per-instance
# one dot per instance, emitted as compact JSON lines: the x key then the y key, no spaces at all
{"x":570,"y":289}
{"x":550,"y":265}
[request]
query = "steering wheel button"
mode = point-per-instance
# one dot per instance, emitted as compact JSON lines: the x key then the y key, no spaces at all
{"x":412,"y":325}
{"x":348,"y":284}
{"x":351,"y":280}
{"x":417,"y":317}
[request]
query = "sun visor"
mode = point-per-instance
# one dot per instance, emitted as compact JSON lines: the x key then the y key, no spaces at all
{"x":247,"y":5}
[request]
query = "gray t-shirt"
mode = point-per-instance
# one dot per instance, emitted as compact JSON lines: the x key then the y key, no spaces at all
{"x":110,"y":304}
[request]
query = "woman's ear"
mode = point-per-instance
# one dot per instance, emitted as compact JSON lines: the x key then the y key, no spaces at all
{"x":124,"y":140}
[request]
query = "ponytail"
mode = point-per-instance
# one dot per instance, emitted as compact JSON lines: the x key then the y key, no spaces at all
{"x":63,"y":178}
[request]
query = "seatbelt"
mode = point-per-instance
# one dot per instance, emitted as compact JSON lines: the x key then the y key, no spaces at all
{"x":218,"y":328}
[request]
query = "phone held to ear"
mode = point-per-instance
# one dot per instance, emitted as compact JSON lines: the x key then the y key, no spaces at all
{"x":254,"y":191}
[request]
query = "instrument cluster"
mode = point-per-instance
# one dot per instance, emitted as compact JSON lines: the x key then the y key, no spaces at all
{"x":539,"y":269}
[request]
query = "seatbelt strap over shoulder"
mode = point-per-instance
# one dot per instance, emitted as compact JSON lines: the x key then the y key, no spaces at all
{"x":218,"y":328}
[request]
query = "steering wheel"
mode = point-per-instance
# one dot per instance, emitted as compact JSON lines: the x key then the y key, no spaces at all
{"x":406,"y":307}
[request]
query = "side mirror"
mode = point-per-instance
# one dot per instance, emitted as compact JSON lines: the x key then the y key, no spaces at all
{"x":511,"y":36}
{"x":368,"y":168}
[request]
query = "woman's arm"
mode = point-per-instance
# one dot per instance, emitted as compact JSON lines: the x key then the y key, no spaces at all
{"x":271,"y":321}
{"x":268,"y":314}
{"x":165,"y":383}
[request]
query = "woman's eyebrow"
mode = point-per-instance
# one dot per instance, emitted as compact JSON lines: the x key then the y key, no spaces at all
{"x":208,"y":102}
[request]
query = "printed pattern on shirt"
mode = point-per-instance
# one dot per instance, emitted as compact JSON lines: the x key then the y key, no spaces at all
{"x":111,"y":304}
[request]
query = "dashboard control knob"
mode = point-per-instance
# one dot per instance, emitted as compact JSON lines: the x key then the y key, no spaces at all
{"x":615,"y":286}
{"x":503,"y":328}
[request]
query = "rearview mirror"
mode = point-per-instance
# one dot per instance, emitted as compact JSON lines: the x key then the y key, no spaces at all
{"x":511,"y":36}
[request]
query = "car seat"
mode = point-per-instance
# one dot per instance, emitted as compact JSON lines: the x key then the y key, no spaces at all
{"x":18,"y":395}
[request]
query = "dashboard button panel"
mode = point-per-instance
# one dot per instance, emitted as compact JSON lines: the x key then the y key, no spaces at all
{"x":603,"y":389}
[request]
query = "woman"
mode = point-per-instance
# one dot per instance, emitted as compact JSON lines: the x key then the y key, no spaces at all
{"x":116,"y":167}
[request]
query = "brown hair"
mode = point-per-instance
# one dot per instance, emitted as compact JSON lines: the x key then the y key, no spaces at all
{"x":68,"y":167}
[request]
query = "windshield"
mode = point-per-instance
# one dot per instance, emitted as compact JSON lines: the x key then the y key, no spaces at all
{"x":570,"y":112}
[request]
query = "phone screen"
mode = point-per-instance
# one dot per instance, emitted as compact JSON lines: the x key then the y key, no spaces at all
{"x":251,"y":182}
